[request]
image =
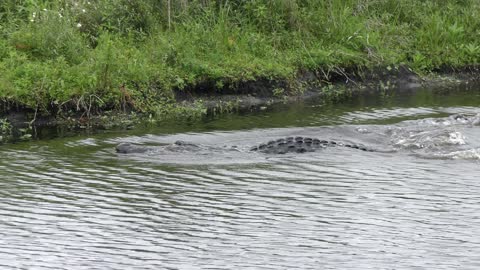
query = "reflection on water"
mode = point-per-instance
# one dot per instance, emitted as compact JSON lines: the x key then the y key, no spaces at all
{"x":74,"y":203}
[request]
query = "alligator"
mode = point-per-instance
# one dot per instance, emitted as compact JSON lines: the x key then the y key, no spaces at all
{"x":280,"y":146}
{"x":283,"y":145}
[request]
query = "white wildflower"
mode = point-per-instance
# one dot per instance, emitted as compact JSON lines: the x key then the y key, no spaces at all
{"x":83,"y":10}
{"x":79,"y":25}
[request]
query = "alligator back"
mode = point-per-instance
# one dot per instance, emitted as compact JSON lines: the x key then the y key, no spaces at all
{"x":301,"y":145}
{"x":279,"y":146}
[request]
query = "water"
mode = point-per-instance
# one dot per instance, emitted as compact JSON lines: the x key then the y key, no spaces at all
{"x":73,"y":203}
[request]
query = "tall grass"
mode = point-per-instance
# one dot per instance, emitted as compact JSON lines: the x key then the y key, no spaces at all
{"x":87,"y":55}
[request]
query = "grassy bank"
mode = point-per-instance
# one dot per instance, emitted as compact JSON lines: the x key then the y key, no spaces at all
{"x":79,"y":56}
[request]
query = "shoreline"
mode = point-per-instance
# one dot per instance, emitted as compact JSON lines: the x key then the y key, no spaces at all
{"x":340,"y":86}
{"x":19,"y":124}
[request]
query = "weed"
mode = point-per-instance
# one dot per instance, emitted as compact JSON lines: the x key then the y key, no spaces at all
{"x":66,"y":56}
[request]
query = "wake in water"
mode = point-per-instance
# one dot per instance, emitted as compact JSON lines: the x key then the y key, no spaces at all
{"x":450,"y":138}
{"x":453,"y":137}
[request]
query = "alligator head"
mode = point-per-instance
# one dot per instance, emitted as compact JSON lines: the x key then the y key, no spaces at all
{"x":128,"y":148}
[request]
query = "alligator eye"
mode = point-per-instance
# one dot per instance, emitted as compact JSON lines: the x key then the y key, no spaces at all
{"x":355,"y":146}
{"x":262,"y":146}
{"x":281,"y":140}
{"x":271,"y":142}
{"x":298,"y":139}
{"x":254,"y":148}
{"x":323,"y":142}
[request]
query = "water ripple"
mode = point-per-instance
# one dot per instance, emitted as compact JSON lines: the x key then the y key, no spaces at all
{"x":338,"y":209}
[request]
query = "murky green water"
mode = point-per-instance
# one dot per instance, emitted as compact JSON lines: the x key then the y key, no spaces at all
{"x":73,"y":203}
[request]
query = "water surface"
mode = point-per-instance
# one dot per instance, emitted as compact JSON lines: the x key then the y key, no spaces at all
{"x":73,"y":203}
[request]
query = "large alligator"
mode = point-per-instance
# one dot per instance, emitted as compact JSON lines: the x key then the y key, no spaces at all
{"x":288,"y":144}
{"x":279,"y":146}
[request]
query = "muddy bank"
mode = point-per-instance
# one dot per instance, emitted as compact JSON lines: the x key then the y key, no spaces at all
{"x":333,"y":86}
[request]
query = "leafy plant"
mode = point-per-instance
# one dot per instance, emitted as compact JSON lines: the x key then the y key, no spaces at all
{"x":83,"y":56}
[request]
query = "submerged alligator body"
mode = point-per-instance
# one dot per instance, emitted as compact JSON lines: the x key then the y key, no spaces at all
{"x":426,"y":134}
{"x":301,"y":145}
{"x":279,"y":146}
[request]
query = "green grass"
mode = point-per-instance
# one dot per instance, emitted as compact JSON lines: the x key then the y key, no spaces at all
{"x":67,"y":56}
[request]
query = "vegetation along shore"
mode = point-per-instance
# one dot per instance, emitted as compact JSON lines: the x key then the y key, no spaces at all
{"x":80,"y":58}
